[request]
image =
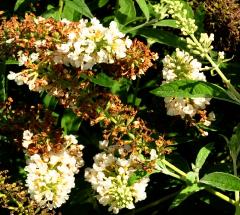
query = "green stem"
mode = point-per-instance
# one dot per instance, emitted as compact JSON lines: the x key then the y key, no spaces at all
{"x":61,"y":2}
{"x":174,"y":175}
{"x":222,"y":196}
{"x":225,"y":80}
{"x":155,"y":203}
{"x":214,"y":192}
{"x":220,"y":73}
{"x":142,"y":25}
{"x":237,"y":212}
{"x":113,"y":120}
{"x":171,"y":166}
{"x":136,"y":91}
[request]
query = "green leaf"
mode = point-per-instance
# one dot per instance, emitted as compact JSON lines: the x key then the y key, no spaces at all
{"x":162,"y":37}
{"x":19,"y":3}
{"x":137,"y":175}
{"x":166,"y":23}
{"x":120,"y":85}
{"x":50,"y":102}
{"x":222,"y":180}
{"x":192,"y":89}
{"x":188,"y":8}
{"x":132,"y":99}
{"x":234,"y":143}
{"x":70,"y":122}
{"x":150,"y":83}
{"x":126,"y":12}
{"x":102,"y":3}
{"x":80,"y":6}
{"x":200,"y":17}
{"x":11,"y":62}
{"x":191,"y":177}
{"x":144,"y":7}
{"x":51,"y":12}
{"x":3,"y":87}
{"x":184,"y":194}
{"x":202,"y":155}
{"x":68,"y":12}
{"x":104,"y":80}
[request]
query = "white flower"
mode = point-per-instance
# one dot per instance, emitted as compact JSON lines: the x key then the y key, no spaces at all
{"x":27,"y":136}
{"x":34,"y":57}
{"x":50,"y":181}
{"x":139,"y":189}
{"x":153,"y":154}
{"x":189,"y":110}
{"x":50,"y":177}
{"x":182,"y":66}
{"x":109,"y":177}
{"x":211,"y":116}
{"x":9,"y":41}
{"x":70,"y":139}
{"x":72,"y":36}
{"x":221,"y":55}
{"x":65,"y":21}
{"x":21,"y":79}
{"x":64,"y":48}
{"x":12,"y":75}
{"x":22,"y":59}
{"x":103,"y":144}
{"x":201,"y":102}
{"x":92,"y":43}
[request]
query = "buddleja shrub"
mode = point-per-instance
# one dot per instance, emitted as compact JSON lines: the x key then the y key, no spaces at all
{"x":82,"y":118}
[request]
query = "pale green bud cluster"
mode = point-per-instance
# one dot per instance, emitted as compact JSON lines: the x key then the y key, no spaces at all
{"x":185,"y":23}
{"x":201,"y":47}
{"x":161,"y":10}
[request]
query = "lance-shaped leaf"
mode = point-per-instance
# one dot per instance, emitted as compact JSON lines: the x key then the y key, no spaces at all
{"x":163,"y":37}
{"x":144,"y":7}
{"x":136,"y":176}
{"x":192,"y":89}
{"x":20,"y":3}
{"x":104,"y":80}
{"x":184,"y":194}
{"x":126,"y":12}
{"x":222,"y":180}
{"x":11,"y":62}
{"x":167,"y":23}
{"x":202,"y":155}
{"x":80,"y":6}
{"x":102,"y":3}
{"x":50,"y":101}
{"x":234,"y":143}
{"x":70,"y":122}
{"x":3,"y":87}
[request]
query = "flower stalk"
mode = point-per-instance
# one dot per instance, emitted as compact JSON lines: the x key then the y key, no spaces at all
{"x":235,"y":93}
{"x":214,"y":192}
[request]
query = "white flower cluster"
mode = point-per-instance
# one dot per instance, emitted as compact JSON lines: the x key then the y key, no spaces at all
{"x":92,"y":43}
{"x":50,"y":177}
{"x":184,"y":106}
{"x":88,"y":44}
{"x":22,"y":58}
{"x":110,"y":179}
{"x":29,"y":78}
{"x":182,"y":66}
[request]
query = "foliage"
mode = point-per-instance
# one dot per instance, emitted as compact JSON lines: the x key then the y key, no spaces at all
{"x":113,"y":105}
